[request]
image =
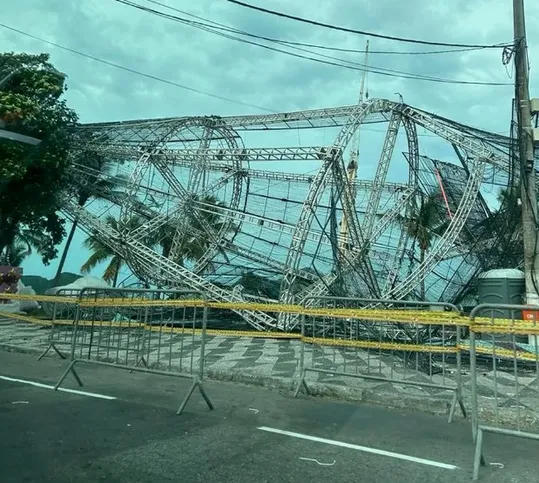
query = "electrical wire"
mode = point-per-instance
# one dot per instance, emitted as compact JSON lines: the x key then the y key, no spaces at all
{"x":315,"y":46}
{"x":137,"y":72}
{"x":363,"y":32}
{"x":331,"y":61}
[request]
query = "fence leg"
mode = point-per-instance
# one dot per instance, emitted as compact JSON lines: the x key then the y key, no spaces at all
{"x":457,"y":398}
{"x":52,"y":346}
{"x":204,"y":395}
{"x":187,"y":397}
{"x":196,"y":383}
{"x":462,"y":407}
{"x":70,"y":368}
{"x":453,"y":407}
{"x":143,"y":360}
{"x":302,"y":371}
{"x":479,"y":460}
{"x":44,"y":353}
{"x":459,"y":374}
{"x":302,"y":383}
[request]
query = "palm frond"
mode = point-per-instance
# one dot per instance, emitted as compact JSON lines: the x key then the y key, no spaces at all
{"x":95,"y":259}
{"x":112,"y":270}
{"x":14,"y":255}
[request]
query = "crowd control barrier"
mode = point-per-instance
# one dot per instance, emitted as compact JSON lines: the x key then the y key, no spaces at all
{"x":152,"y":331}
{"x":406,"y":343}
{"x":505,"y":351}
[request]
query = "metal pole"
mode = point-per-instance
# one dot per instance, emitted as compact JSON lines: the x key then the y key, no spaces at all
{"x":527,"y":169}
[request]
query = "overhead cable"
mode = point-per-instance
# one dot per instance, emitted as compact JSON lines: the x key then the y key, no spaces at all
{"x":137,"y":72}
{"x":334,"y":61}
{"x":364,"y":32}
{"x":316,"y":46}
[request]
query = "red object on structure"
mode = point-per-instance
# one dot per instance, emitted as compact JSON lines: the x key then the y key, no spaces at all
{"x":530,"y":315}
{"x":443,"y":193}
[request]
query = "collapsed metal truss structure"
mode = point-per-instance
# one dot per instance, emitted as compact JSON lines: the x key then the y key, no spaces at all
{"x":191,"y":203}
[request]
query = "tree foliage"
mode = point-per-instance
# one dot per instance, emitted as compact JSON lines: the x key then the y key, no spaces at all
{"x":33,"y":177}
{"x":101,"y":252}
{"x":424,"y":224}
{"x":192,"y":245}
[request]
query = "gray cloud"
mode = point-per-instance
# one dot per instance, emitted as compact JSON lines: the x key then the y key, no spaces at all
{"x":181,"y":54}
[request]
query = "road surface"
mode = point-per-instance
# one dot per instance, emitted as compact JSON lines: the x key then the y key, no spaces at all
{"x":125,"y":430}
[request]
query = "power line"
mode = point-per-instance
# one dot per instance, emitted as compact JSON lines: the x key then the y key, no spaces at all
{"x":134,"y":71}
{"x":336,"y":62}
{"x":316,"y":46}
{"x":363,"y":32}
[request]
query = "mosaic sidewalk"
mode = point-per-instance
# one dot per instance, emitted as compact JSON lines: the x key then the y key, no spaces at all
{"x":267,"y":361}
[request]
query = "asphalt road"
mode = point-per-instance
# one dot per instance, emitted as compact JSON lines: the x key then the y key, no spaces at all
{"x":61,"y":437}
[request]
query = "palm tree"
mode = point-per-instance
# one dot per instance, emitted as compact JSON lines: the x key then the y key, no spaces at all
{"x":94,"y":186}
{"x":13,"y":255}
{"x":192,"y":245}
{"x":101,"y":252}
{"x":505,"y":227}
{"x":21,"y":247}
{"x":424,"y":223}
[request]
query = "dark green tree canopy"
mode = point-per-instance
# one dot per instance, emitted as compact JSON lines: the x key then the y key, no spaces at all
{"x":32,"y":178}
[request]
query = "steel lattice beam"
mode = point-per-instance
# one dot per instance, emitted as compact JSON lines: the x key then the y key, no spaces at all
{"x":381,"y":172}
{"x":163,"y":269}
{"x":213,"y":145}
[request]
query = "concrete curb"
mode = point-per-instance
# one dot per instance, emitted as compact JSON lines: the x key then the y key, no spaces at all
{"x":427,"y":404}
{"x":389,"y":399}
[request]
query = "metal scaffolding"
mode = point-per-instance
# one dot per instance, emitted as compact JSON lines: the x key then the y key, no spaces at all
{"x":197,"y":178}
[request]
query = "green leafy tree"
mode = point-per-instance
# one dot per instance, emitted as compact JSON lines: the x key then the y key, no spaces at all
{"x":424,"y":224}
{"x":101,"y":252}
{"x":32,"y":178}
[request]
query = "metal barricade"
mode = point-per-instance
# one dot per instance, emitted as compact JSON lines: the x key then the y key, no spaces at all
{"x":403,"y":344}
{"x":504,"y":362}
{"x":62,"y":320}
{"x":143,"y":330}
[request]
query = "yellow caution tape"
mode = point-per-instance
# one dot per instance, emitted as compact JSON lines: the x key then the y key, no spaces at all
{"x":502,"y":352}
{"x":24,"y":318}
{"x":404,"y":316}
{"x":40,"y":298}
{"x":522,"y":329}
{"x":362,"y":344}
{"x":391,"y":346}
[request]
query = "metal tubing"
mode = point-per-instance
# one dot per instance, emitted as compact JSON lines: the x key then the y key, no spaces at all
{"x":186,"y":398}
{"x":111,"y":341}
{"x":202,"y":357}
{"x":475,"y":310}
{"x":478,"y":454}
{"x":509,"y":432}
{"x":204,"y":395}
{"x":384,"y":379}
{"x":453,"y":307}
{"x":473,"y":370}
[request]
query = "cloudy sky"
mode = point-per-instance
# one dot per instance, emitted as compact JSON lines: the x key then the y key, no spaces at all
{"x":259,"y":78}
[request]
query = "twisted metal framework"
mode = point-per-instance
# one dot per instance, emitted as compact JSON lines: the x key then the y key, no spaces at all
{"x":198,"y":206}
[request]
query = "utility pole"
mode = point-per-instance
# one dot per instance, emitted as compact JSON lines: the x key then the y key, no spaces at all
{"x":527,"y":166}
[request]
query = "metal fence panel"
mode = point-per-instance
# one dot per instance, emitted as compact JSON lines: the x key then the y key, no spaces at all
{"x":144,"y":330}
{"x":403,"y":342}
{"x":62,"y":321}
{"x":504,"y":352}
